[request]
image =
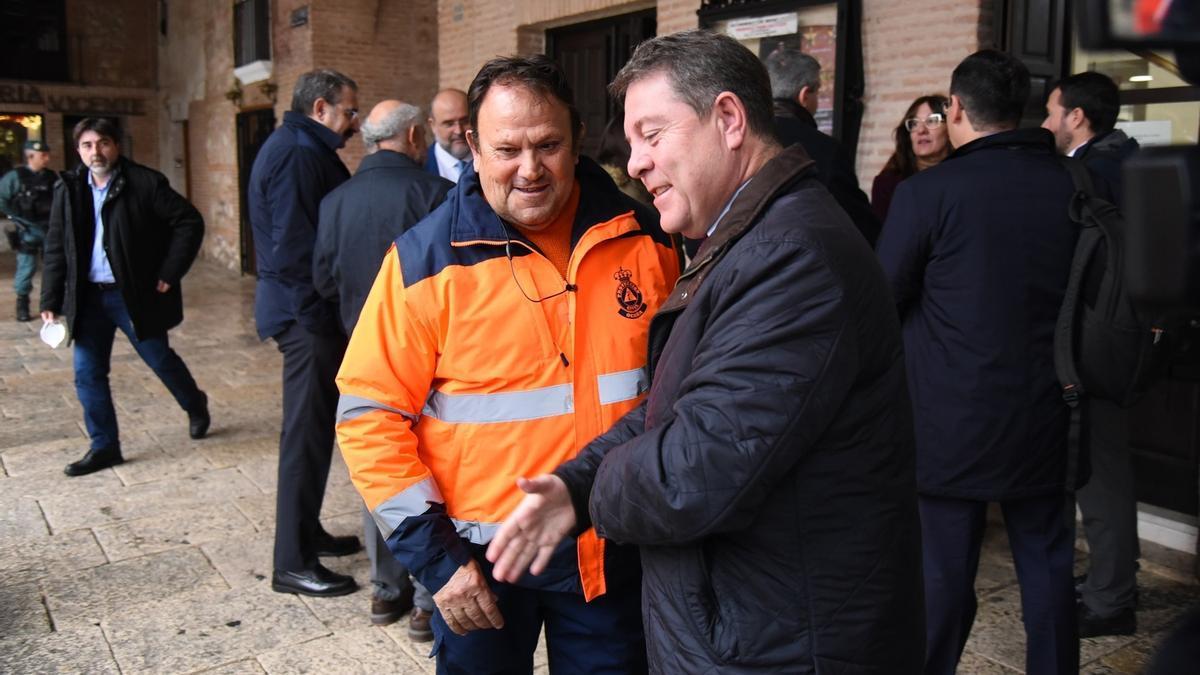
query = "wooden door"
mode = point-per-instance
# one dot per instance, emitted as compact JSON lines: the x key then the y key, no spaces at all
{"x":591,"y":54}
{"x":253,"y":128}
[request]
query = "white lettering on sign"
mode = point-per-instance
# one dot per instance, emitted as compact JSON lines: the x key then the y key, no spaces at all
{"x":762,"y":26}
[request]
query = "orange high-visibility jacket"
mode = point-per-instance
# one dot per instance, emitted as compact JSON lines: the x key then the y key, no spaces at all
{"x":456,"y":381}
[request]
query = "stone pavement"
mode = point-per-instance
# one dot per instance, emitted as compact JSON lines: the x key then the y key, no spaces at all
{"x":162,"y":564}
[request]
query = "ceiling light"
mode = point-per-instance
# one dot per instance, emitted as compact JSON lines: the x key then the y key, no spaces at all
{"x":1141,"y":78}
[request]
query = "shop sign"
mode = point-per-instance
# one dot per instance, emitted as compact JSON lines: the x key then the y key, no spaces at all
{"x":762,"y":26}
{"x":67,"y":103}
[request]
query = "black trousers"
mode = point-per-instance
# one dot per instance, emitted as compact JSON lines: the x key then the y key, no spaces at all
{"x":310,"y":396}
{"x":1042,"y":546}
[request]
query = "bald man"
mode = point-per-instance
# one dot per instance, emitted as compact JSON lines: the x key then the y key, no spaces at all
{"x":358,"y":222}
{"x":449,"y":122}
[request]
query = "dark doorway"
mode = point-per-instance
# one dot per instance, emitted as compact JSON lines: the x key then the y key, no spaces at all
{"x":1038,"y":33}
{"x":591,"y":54}
{"x":253,"y":128}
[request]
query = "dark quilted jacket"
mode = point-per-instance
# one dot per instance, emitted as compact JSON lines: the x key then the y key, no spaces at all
{"x":768,"y":478}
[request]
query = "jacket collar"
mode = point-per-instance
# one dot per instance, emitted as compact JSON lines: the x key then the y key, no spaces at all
{"x":766,"y":185}
{"x":1115,"y":142}
{"x":327,"y":136}
{"x":386,"y":159}
{"x":788,"y":108}
{"x":79,"y":175}
{"x":747,"y":208}
{"x":1014,"y":139}
{"x":473,"y":221}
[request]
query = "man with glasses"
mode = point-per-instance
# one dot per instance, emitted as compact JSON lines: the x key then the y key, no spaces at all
{"x":504,"y":332}
{"x":296,"y":167}
{"x":978,"y":250}
{"x":795,"y":84}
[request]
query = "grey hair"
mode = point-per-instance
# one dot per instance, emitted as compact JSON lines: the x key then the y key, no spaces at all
{"x":398,"y":121}
{"x":700,"y":66}
{"x":323,"y":83}
{"x":792,"y":70}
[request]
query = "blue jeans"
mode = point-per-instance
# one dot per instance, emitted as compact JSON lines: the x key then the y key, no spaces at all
{"x":27,"y":262}
{"x":100,"y":313}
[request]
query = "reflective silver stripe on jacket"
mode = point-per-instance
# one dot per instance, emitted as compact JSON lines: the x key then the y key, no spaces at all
{"x":514,"y":406}
{"x":623,"y":386}
{"x":412,"y":501}
{"x":475,"y":531}
{"x":350,"y":407}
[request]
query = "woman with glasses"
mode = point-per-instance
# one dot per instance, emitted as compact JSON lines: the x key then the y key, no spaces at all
{"x":921,"y":142}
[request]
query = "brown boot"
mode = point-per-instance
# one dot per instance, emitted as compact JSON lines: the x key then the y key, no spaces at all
{"x":418,"y":626}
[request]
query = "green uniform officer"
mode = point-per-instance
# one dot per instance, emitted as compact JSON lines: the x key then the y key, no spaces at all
{"x":26,"y":193}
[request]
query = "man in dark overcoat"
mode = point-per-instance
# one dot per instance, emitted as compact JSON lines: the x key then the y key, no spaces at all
{"x":295,"y":168}
{"x":978,"y":250}
{"x":118,"y":244}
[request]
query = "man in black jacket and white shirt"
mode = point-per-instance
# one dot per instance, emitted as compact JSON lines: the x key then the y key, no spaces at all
{"x":119,"y":242}
{"x":768,"y":478}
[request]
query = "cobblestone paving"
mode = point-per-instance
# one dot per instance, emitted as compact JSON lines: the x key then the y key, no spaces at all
{"x":162,"y":564}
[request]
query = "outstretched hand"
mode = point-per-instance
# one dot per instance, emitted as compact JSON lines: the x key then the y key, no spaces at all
{"x":529,"y":536}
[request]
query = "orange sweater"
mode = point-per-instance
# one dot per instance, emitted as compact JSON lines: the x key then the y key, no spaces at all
{"x":554,"y":240}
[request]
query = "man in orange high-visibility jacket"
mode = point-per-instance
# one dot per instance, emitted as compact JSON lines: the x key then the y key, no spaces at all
{"x":503,"y":333}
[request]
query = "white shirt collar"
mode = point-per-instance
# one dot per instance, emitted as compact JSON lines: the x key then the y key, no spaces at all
{"x":447,"y":163}
{"x":728,"y":204}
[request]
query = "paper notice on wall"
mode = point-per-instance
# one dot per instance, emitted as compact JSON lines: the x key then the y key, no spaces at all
{"x":1150,"y":132}
{"x":762,"y":26}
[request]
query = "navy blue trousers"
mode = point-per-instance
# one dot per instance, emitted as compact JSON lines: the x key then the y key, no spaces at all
{"x":1042,"y":543}
{"x":601,"y":636}
{"x":101,"y":313}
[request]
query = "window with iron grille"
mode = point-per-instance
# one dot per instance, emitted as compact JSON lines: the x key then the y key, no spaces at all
{"x":251,"y":31}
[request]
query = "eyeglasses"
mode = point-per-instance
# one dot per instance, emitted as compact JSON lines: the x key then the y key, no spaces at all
{"x":932,"y":121}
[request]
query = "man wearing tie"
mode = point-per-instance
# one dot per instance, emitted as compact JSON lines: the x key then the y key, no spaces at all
{"x":449,"y":122}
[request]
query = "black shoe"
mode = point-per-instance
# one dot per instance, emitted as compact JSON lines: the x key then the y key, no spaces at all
{"x":318,"y":582}
{"x":329,"y":546}
{"x":94,"y":460}
{"x":23,"y":308}
{"x":1081,"y":579}
{"x":1092,"y":625}
{"x":199,"y":420}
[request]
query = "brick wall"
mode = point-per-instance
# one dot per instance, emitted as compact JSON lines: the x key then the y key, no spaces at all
{"x":112,"y":54}
{"x":906,"y":54}
{"x":389,"y":47}
{"x":113,"y":42}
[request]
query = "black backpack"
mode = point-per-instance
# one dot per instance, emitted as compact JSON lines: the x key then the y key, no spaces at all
{"x":1106,"y":346}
